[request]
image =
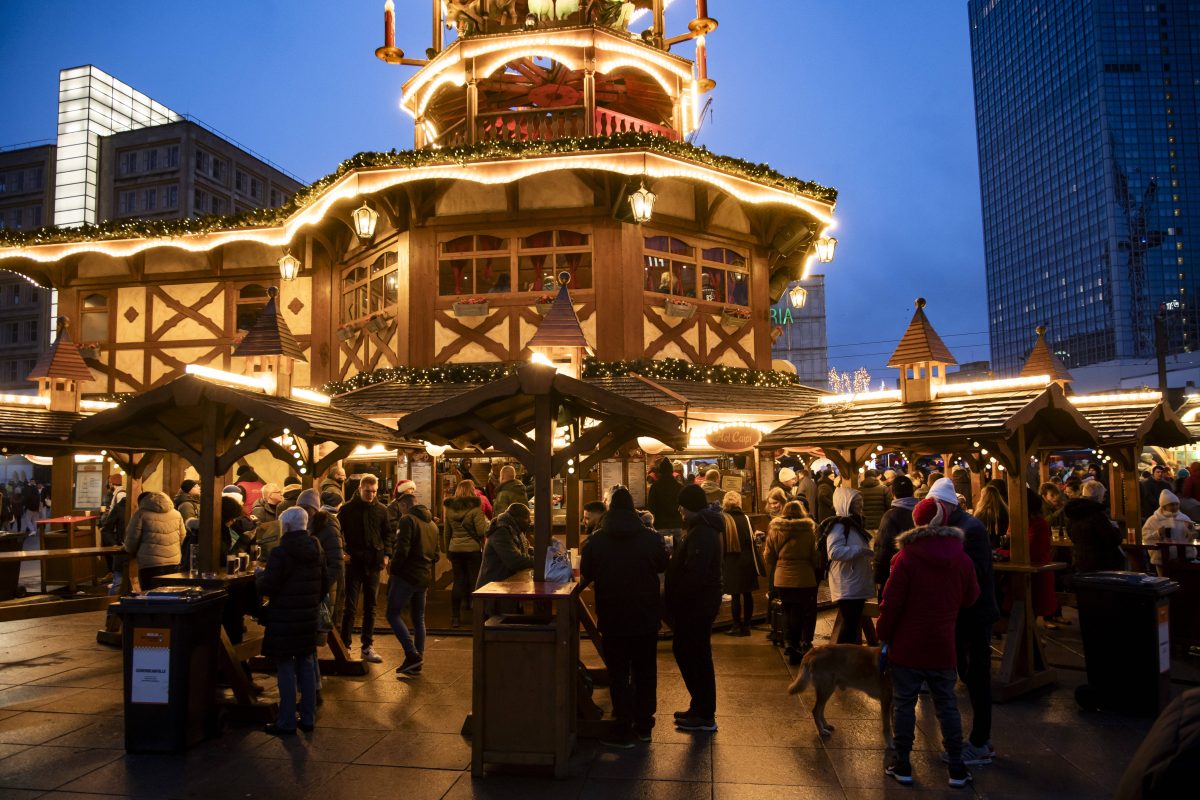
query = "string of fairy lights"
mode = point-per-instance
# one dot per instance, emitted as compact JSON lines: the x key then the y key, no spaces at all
{"x":484,"y":151}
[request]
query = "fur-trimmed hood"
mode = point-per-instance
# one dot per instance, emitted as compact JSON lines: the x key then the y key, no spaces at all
{"x":461,"y":504}
{"x":937,"y":545}
{"x":928,"y":532}
{"x":791,"y":528}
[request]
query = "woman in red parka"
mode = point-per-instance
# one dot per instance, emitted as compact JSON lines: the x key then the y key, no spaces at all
{"x":1045,"y":600}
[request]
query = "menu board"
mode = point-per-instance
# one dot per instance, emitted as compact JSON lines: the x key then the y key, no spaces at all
{"x":766,"y":476}
{"x":637,"y":482}
{"x":612,"y":473}
{"x":421,"y":473}
{"x":89,"y":485}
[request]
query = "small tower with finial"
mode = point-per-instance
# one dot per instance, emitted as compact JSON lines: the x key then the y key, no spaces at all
{"x":922,"y":358}
{"x":559,"y":340}
{"x":60,"y":371}
{"x":270,"y":348}
{"x":1043,"y":361}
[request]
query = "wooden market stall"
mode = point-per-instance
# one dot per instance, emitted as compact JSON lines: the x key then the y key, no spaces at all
{"x":1001,"y":422}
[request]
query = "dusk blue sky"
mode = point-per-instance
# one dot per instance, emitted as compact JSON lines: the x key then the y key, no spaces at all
{"x":872,"y":97}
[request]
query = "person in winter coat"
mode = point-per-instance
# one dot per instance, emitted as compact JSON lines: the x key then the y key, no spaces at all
{"x":154,"y":537}
{"x":464,"y":527}
{"x":776,"y":500}
{"x":506,"y":550}
{"x":875,"y":499}
{"x":411,"y":573}
{"x":693,"y":598}
{"x":1164,"y":766}
{"x":894,"y":522}
{"x":1191,"y":484}
{"x":323,"y":524}
{"x":510,"y":490}
{"x":335,"y":480}
{"x":847,"y":546}
{"x":712,"y":487}
{"x":1167,"y":524}
{"x":973,"y":632}
{"x":1150,"y":488}
{"x":961,"y":478}
{"x":187,"y":502}
{"x":1041,"y":551}
{"x":293,"y":583}
{"x":739,"y":574}
{"x":370,"y":541}
{"x":992,"y":511}
{"x":623,"y":561}
{"x":825,"y":490}
{"x":662,"y":500}
{"x":1095,"y":542}
{"x":251,"y":486}
{"x":791,"y":566}
{"x":931,"y":582}
{"x":806,"y":491}
{"x":266,"y":509}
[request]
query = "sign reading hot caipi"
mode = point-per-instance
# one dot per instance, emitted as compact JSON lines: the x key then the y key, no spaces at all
{"x":734,"y":438}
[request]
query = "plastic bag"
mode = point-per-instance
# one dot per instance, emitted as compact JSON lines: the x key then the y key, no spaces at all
{"x":558,"y":563}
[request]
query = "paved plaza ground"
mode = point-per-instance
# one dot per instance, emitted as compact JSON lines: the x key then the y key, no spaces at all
{"x":383,"y":737}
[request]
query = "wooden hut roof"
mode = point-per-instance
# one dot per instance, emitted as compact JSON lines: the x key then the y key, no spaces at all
{"x":270,"y":334}
{"x":920,"y":343}
{"x":36,"y":430}
{"x":62,"y":360}
{"x":1142,"y":422}
{"x":1042,"y":360}
{"x":560,"y":327}
{"x":1046,"y":413}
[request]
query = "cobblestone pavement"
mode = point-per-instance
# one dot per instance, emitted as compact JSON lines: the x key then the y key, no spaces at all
{"x":382,"y":737}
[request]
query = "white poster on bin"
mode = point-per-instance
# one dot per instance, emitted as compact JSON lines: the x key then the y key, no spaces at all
{"x":1164,"y":639}
{"x":151,"y":674}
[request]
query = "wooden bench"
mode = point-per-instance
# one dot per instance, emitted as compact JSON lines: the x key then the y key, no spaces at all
{"x":66,"y":552}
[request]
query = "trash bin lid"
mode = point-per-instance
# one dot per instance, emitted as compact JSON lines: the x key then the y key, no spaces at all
{"x":1120,"y":581}
{"x":171,"y":598}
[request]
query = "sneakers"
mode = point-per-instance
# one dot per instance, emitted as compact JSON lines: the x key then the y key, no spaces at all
{"x":642,"y":734}
{"x":411,"y":666}
{"x":974,"y":756}
{"x":620,"y":741}
{"x":959,"y":776}
{"x":901,"y":770}
{"x":695,"y":722}
{"x":682,"y":714}
{"x":369,"y":655}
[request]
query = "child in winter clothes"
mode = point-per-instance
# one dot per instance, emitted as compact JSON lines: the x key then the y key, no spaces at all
{"x":847,"y":546}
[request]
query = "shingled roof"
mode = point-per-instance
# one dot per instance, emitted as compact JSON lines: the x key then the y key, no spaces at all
{"x":62,"y":360}
{"x":560,"y":327}
{"x":1141,"y":422}
{"x":1042,"y":360}
{"x":920,"y":343}
{"x":270,"y":334}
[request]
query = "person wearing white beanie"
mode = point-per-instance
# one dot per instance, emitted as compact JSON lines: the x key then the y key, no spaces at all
{"x":1167,"y":524}
{"x":943,"y":489}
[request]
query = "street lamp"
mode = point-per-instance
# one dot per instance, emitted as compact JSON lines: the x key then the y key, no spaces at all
{"x":364,"y":218}
{"x":825,"y":247}
{"x":798,"y":296}
{"x":289,"y":266}
{"x":641,"y":203}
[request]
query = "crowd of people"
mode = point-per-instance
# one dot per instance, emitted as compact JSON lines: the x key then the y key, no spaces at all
{"x":22,"y":503}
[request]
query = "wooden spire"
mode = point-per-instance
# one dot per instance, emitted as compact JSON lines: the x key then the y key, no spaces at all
{"x":920,"y":343}
{"x":1042,"y":360}
{"x":62,"y":360}
{"x":560,"y":327}
{"x":270,"y":335}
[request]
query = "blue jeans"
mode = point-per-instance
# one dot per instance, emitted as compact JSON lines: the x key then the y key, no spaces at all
{"x":289,"y":670}
{"x":400,"y":594}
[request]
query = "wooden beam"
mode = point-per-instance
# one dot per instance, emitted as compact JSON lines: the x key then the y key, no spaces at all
{"x":584,"y":444}
{"x":543,"y":437}
{"x":321,"y":466}
{"x":502,"y":441}
{"x":179,"y":445}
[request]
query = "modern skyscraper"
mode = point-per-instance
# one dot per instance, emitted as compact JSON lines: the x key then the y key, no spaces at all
{"x":1089,"y":156}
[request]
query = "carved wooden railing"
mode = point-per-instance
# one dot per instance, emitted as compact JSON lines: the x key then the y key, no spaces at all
{"x":611,"y":122}
{"x":532,"y":125}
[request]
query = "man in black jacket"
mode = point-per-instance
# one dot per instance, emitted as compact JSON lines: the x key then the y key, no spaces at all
{"x":896,"y":520}
{"x":369,"y":540}
{"x":973,"y":632}
{"x":411,"y":572}
{"x":662,"y":500}
{"x":693,"y":598}
{"x":623,"y":559}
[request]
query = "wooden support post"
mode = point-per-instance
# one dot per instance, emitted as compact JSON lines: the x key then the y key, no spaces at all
{"x":543,"y":436}
{"x":574,"y":508}
{"x":209,"y":535}
{"x":62,"y":479}
{"x":1133,"y":505}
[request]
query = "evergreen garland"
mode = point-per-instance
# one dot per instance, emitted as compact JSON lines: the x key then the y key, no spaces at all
{"x":484,"y":151}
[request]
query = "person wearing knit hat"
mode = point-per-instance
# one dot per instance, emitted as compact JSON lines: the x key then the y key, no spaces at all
{"x":187,"y":502}
{"x":973,"y":634}
{"x":931,"y":583}
{"x":894,"y":522}
{"x":845,"y":541}
{"x":693,"y":599}
{"x":405,"y":486}
{"x":1167,"y":524}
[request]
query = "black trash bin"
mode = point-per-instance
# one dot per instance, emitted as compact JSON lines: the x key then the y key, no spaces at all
{"x":1124,"y":620}
{"x":171,"y":636}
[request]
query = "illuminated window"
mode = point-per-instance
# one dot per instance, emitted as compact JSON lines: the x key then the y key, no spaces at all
{"x":93,"y":321}
{"x":541,"y":256}
{"x":727,"y":283}
{"x":370,"y":288}
{"x":670,"y":266}
{"x":251,"y":299}
{"x":474,"y":263}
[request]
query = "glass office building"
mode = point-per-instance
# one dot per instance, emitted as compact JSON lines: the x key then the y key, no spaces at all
{"x":1089,"y":162}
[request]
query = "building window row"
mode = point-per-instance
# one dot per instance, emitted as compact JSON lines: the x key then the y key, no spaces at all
{"x":28,"y":179}
{"x":205,"y":203}
{"x":23,"y":332}
{"x":481,"y":263}
{"x":14,"y":370}
{"x":25,"y":217}
{"x":18,"y":293}
{"x":148,"y":159}
{"x":148,"y":200}
{"x":370,"y":289}
{"x":212,"y":166}
{"x":248,"y":184}
{"x":675,"y":267}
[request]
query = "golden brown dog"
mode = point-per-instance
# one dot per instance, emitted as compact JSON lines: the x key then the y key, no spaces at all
{"x":845,"y":666}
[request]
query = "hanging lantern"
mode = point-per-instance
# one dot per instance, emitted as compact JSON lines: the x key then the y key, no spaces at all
{"x":289,"y":266}
{"x":650,"y":446}
{"x":642,"y":204}
{"x":364,"y":218}
{"x":825,"y":247}
{"x":435,"y":450}
{"x":798,"y":296}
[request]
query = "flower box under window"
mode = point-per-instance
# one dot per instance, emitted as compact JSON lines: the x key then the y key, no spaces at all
{"x":471,"y":307}
{"x":683,"y":310}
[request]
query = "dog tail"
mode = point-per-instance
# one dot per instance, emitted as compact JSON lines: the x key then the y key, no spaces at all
{"x":802,"y":680}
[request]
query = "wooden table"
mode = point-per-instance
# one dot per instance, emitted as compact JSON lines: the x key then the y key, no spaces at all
{"x":524,"y":697}
{"x":67,"y":533}
{"x":1023,"y":666}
